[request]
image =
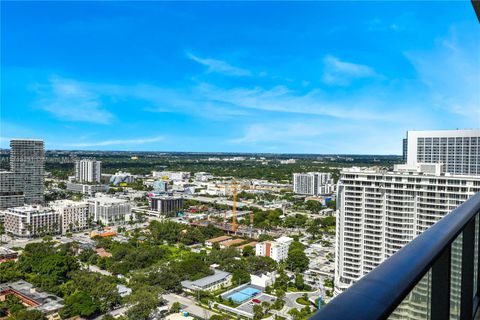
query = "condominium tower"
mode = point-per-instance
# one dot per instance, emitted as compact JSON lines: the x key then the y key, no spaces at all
{"x":27,"y":162}
{"x":380,"y":212}
{"x":11,"y":190}
{"x":313,"y":183}
{"x":458,"y":150}
{"x":88,"y":170}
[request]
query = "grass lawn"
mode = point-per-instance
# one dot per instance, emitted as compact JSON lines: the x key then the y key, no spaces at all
{"x":303,"y":301}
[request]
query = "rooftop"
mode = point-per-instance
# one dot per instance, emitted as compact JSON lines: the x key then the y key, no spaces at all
{"x":43,"y":301}
{"x":219,"y":239}
{"x":205,"y":282}
{"x":106,"y":200}
{"x":232,"y":242}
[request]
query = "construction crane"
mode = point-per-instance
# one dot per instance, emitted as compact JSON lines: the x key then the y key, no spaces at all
{"x":234,"y":209}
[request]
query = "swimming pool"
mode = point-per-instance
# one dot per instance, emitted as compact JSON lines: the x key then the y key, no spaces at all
{"x":243,"y":294}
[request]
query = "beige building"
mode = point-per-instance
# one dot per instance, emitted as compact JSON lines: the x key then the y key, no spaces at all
{"x":74,"y":215}
{"x":31,"y":221}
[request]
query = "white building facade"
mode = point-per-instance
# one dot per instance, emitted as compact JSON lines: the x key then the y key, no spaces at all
{"x":109,"y":210}
{"x":313,"y":183}
{"x":277,"y":250}
{"x":74,"y":215}
{"x":31,"y":221}
{"x":379,"y":212}
{"x":88,"y":170}
{"x":458,"y":150}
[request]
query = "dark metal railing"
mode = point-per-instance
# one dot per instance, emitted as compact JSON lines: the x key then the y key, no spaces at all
{"x":378,"y":294}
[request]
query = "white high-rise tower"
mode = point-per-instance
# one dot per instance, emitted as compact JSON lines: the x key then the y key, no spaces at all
{"x":88,"y":170}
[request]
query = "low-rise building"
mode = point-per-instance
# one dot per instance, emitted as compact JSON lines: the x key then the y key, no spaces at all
{"x":7,"y":254}
{"x":171,"y":175}
{"x":121,"y":177}
{"x":250,"y":244}
{"x":87,"y":189}
{"x":31,"y":221}
{"x":32,"y":297}
{"x":220,"y":279}
{"x":263,"y":279}
{"x":231,"y":243}
{"x":74,"y":215}
{"x":109,"y":210}
{"x":203,"y":176}
{"x":211,"y":242}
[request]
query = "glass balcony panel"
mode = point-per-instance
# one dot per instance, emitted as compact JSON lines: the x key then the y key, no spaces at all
{"x":416,"y":305}
{"x":456,"y":278}
{"x":475,"y":259}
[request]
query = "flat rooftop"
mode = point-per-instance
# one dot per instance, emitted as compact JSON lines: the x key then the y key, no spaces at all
{"x":219,"y":239}
{"x":219,"y":275}
{"x":45,"y":302}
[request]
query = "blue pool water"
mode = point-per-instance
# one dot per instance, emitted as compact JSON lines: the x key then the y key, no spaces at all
{"x":244,"y":294}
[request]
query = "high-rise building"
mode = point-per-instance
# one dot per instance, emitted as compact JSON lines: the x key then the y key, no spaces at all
{"x":313,"y":183}
{"x":27,"y":162}
{"x":88,"y":170}
{"x":11,"y":190}
{"x":379,"y":212}
{"x":458,"y":150}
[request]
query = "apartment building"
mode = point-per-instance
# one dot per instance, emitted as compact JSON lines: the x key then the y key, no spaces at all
{"x":31,"y":221}
{"x":74,"y":215}
{"x":88,"y":170}
{"x":313,"y":183}
{"x":109,"y":210}
{"x":27,"y":162}
{"x":458,"y":150}
{"x":379,"y":212}
{"x":11,"y":190}
{"x":277,"y":250}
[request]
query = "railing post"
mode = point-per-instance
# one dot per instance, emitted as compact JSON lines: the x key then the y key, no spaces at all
{"x":440,"y":289}
{"x":468,"y":249}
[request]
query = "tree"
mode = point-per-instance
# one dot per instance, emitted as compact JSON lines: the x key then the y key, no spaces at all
{"x":145,"y":301}
{"x":299,"y":282}
{"x":240,"y":276}
{"x":297,"y":260}
{"x":257,"y":312}
{"x":313,"y":206}
{"x":175,"y":307}
{"x":248,"y":251}
{"x":80,"y":304}
{"x":28,"y":314}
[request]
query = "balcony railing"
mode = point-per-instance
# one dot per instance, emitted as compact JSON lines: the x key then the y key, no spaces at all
{"x":435,"y":276}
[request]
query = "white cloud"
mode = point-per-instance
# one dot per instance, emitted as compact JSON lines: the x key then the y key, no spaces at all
{"x":115,"y":142}
{"x":338,"y":72}
{"x":71,"y":100}
{"x":220,"y":66}
{"x":451,"y":75}
{"x":282,"y":131}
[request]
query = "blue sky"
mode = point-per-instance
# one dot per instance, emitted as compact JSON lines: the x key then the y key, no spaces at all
{"x":288,"y":77}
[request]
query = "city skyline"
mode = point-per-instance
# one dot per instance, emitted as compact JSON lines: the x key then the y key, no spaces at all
{"x":237,"y":77}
